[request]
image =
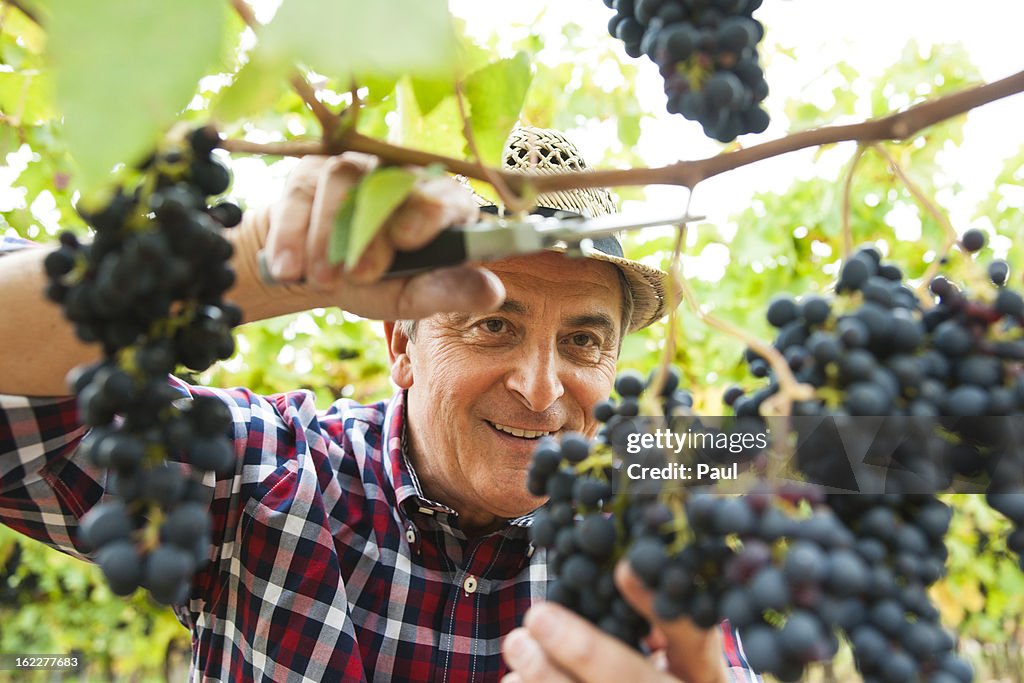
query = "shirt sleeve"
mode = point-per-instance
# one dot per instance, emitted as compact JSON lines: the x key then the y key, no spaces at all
{"x":736,"y":664}
{"x":41,"y":495}
{"x":46,"y":486}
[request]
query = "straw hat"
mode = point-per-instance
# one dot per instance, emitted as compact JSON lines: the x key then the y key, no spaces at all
{"x":545,"y":151}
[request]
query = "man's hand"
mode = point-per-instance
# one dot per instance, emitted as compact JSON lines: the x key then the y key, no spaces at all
{"x":558,"y":646}
{"x":295,"y":232}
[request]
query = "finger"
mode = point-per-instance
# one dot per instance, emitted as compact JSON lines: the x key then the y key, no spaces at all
{"x":448,"y":289}
{"x":693,"y":654}
{"x":289,"y":221}
{"x":337,"y":179}
{"x":511,"y":678}
{"x":634,"y":590}
{"x":434,"y":205}
{"x":578,"y":647}
{"x":526,"y":656}
{"x":374,"y":262}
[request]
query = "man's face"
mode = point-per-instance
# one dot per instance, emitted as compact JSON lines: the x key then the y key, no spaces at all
{"x":483,"y":388}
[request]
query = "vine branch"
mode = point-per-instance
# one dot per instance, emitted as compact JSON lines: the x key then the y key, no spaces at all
{"x":895,"y":127}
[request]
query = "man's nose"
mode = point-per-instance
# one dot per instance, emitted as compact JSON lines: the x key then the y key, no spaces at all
{"x":535,"y":379}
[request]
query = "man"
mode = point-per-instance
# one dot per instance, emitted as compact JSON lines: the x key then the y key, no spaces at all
{"x":383,"y":542}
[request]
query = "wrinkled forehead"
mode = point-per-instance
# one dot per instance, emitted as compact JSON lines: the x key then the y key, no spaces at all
{"x":551,"y":274}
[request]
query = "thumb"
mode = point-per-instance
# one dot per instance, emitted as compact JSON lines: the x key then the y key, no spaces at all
{"x":449,"y":289}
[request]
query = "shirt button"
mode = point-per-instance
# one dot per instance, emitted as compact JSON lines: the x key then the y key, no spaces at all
{"x":410,"y":535}
{"x":469,"y":585}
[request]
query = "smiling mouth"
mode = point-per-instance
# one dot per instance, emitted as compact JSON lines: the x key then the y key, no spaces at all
{"x":521,"y":433}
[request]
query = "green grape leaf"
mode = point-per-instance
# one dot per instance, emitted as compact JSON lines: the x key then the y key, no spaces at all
{"x":379,"y":87}
{"x":380,"y":193}
{"x":338,"y":246}
{"x":256,"y":88}
{"x":108,"y":51}
{"x":342,"y":37}
{"x":430,"y":91}
{"x":376,"y":197}
{"x":27,"y":95}
{"x":496,"y":94}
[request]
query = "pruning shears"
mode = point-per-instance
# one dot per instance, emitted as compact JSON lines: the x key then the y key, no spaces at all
{"x":495,"y":238}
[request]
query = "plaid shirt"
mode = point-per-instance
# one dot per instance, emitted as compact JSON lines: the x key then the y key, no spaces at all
{"x":328,"y":563}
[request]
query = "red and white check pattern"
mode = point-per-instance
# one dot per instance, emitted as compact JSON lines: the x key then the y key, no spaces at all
{"x":328,"y":564}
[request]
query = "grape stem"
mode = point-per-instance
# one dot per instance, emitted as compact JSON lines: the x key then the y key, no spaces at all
{"x":933,"y":210}
{"x":847,"y":187}
{"x":789,"y":388}
{"x":897,"y":126}
{"x":674,"y":294}
{"x":329,"y":121}
{"x":512,"y":202}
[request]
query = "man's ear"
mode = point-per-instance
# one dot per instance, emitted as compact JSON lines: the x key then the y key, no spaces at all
{"x":398,"y":352}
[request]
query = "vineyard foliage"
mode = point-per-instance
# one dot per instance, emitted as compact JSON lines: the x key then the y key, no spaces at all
{"x":93,"y":92}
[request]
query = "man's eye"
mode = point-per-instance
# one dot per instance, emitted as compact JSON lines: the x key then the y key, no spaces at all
{"x":494,"y":325}
{"x":581,"y":339}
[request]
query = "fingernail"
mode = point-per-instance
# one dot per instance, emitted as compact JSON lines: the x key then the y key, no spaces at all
{"x":542,"y":621}
{"x":519,"y":648}
{"x":284,"y":266}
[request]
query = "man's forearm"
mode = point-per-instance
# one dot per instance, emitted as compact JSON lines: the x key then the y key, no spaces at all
{"x":39,"y":344}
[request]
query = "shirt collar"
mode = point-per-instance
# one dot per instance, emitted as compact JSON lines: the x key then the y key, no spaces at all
{"x":402,"y":475}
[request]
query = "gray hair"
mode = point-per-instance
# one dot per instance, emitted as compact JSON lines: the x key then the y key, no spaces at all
{"x":408,"y":327}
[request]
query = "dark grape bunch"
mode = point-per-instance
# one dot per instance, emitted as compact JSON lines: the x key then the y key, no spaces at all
{"x":149,"y":289}
{"x":791,"y":575}
{"x":582,"y":525}
{"x":792,"y":568}
{"x":706,"y":50}
{"x":946,"y":373}
{"x":952,"y":362}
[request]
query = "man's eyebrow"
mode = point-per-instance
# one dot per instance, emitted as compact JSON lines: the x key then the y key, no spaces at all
{"x":514,"y":306}
{"x":598,"y":321}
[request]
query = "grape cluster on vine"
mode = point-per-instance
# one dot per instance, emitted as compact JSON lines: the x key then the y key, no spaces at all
{"x":706,"y":51}
{"x":945,"y":370}
{"x":795,"y":569}
{"x":583,"y":537}
{"x":149,"y":289}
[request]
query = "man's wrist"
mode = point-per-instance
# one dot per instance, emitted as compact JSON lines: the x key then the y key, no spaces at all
{"x":258,"y":299}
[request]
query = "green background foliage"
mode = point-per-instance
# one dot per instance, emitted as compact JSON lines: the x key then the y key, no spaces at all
{"x":96,"y":92}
